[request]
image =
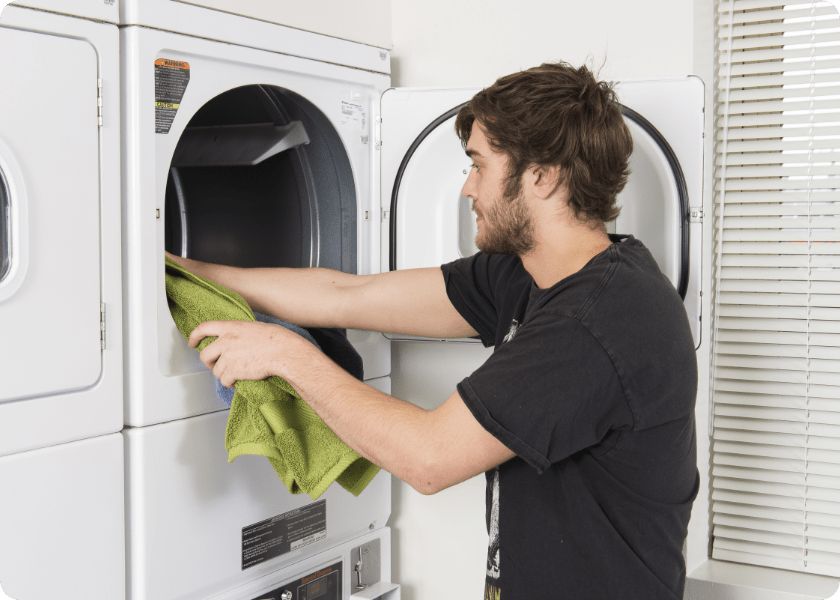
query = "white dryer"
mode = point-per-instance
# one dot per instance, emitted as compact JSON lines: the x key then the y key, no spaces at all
{"x":311,"y":204}
{"x":305,"y":197}
{"x":61,"y":460}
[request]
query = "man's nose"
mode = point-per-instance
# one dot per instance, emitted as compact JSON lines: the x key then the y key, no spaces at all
{"x":468,"y":189}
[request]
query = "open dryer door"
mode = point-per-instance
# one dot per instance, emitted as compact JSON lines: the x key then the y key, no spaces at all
{"x":424,"y":167}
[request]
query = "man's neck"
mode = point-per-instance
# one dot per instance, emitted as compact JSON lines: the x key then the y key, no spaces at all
{"x":562,"y":250}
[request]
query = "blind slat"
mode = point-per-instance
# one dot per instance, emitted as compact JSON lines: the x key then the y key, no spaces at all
{"x":777,"y":158}
{"x":740,"y":5}
{"x":783,"y":197}
{"x":780,"y":210}
{"x":782,"y":26}
{"x":775,"y":14}
{"x":788,"y":94}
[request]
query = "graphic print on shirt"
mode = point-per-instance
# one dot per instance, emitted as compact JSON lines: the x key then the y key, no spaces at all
{"x":514,"y":327}
{"x":492,"y":590}
{"x":493,"y":549}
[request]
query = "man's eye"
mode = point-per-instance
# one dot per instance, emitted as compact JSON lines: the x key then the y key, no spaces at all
{"x":476,"y":167}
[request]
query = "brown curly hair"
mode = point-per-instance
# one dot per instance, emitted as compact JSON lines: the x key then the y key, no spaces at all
{"x":557,"y":115}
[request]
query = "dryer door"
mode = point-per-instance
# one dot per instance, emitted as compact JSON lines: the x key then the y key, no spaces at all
{"x":424,"y":167}
{"x":50,"y":231}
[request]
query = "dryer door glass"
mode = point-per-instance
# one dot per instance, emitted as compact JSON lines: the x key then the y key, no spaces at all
{"x":5,"y":229}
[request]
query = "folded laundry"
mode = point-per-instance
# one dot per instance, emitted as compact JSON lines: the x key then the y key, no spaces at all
{"x":267,"y":417}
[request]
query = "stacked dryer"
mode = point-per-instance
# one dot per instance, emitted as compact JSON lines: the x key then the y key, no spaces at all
{"x":306,"y":199}
{"x":61,"y":390}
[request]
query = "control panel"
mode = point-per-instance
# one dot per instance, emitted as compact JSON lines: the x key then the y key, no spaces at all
{"x":323,"y":584}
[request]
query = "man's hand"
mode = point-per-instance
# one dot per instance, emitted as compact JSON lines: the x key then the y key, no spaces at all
{"x":251,"y":351}
{"x":430,"y":450}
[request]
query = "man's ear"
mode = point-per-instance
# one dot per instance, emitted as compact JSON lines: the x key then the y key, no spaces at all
{"x":544,"y":180}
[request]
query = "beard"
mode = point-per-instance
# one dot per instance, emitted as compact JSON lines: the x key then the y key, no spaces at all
{"x":507,"y":226}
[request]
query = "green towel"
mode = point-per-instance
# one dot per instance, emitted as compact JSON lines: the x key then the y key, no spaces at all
{"x":267,"y":417}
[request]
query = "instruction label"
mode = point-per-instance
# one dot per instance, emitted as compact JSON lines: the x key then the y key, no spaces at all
{"x":276,"y":536}
{"x":353,"y":116}
{"x":171,"y":80}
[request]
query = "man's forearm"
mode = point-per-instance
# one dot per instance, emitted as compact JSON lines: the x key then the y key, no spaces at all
{"x":412,"y":301}
{"x":393,"y":434}
{"x":430,"y":450}
{"x":305,"y":297}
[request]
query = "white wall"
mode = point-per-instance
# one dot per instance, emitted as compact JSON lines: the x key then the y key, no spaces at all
{"x":472,"y":42}
{"x":440,"y":541}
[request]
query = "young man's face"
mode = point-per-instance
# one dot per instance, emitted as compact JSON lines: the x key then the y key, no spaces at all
{"x":504,"y":222}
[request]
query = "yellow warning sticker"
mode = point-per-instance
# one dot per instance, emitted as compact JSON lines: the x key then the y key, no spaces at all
{"x":171,"y":80}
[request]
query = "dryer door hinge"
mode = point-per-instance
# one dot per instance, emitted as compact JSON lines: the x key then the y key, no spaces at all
{"x":102,"y":324}
{"x":377,"y":132}
{"x":695,"y":214}
{"x":99,"y":101}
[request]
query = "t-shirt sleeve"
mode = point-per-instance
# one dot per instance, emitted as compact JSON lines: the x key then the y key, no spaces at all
{"x":549,"y":392}
{"x":471,"y":287}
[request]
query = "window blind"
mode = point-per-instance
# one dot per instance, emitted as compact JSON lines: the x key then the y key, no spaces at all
{"x":776,"y":333}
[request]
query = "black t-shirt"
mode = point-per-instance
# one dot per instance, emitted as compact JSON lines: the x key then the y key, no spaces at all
{"x":592,"y":384}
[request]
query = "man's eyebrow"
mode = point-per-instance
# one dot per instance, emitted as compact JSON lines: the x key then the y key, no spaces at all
{"x":474,"y":153}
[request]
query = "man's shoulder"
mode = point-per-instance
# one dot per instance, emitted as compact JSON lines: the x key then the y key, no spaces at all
{"x":640,"y":319}
{"x":496,"y":271}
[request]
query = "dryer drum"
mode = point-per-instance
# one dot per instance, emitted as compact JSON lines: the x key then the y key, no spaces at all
{"x":260,"y":178}
{"x":629,"y":114}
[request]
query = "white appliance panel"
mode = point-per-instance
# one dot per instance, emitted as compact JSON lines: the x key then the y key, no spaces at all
{"x":434,"y":223}
{"x":430,"y":205}
{"x":100,"y":10}
{"x":651,"y":213}
{"x":384,"y":590}
{"x":62,"y":527}
{"x":61,"y":173}
{"x":199,"y":21}
{"x":187,"y":507}
{"x":367,"y":22}
{"x":166,"y":379}
{"x":56,"y":305}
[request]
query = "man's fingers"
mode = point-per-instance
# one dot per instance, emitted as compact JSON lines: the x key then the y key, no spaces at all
{"x":211,"y":354}
{"x":206,"y":329}
{"x":220,"y":373}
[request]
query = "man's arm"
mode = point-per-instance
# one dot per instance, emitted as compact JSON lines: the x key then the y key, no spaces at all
{"x":412,"y":302}
{"x":430,"y":450}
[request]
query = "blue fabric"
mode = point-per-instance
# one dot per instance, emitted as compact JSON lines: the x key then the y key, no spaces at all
{"x":226,"y":394}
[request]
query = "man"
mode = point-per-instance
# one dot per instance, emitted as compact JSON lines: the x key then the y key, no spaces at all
{"x":583,"y":418}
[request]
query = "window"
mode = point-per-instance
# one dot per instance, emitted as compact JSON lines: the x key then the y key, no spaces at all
{"x":5,"y":230}
{"x":776,"y":331}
